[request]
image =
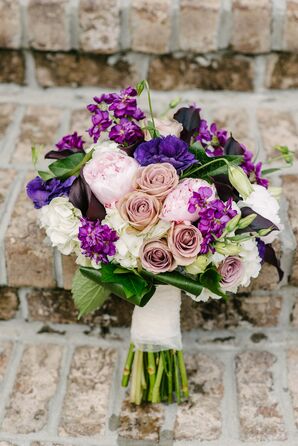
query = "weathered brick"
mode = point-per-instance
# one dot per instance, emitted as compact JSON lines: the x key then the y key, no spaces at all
{"x":6,"y":443}
{"x":80,"y":122}
{"x":39,"y":127}
{"x":38,"y":443}
{"x":6,"y":117}
{"x":29,"y":259}
{"x":12,"y":67}
{"x":200,"y":417}
{"x":267,"y":280}
{"x":209,"y":73}
{"x":57,"y":306}
{"x":238,"y":310}
{"x":251,"y":28}
{"x":236,"y":121}
{"x":85,"y":405}
{"x":76,"y":69}
{"x":5,"y":352}
{"x":290,"y":36}
{"x":290,"y":185}
{"x":6,"y":179}
{"x":34,"y":388}
{"x":97,"y":18}
{"x":281,"y":71}
{"x":259,"y":410}
{"x":10,"y":30}
{"x":69,"y":268}
{"x":151,"y":26}
{"x":140,"y":422}
{"x":277,"y":127}
{"x":292,"y":380}
{"x":198,"y":25}
{"x":47,"y":25}
{"x":9,"y":303}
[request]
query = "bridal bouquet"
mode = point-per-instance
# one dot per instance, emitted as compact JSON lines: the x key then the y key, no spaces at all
{"x":153,"y":207}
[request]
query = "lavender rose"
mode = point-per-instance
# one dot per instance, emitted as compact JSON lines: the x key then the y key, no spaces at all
{"x":184,"y":240}
{"x":157,"y":257}
{"x":231,"y":270}
{"x":156,"y":179}
{"x":140,"y":210}
{"x":165,"y":150}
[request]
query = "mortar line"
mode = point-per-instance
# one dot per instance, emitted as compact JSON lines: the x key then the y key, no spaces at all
{"x":225,"y":24}
{"x":73,"y":23}
{"x":10,"y":377}
{"x":284,"y":399}
{"x":124,"y":39}
{"x":13,"y":194}
{"x":11,"y":136}
{"x":278,"y":19}
{"x":24,"y":311}
{"x":56,"y":404}
{"x":58,"y":269}
{"x":230,"y":409}
{"x":174,"y":43}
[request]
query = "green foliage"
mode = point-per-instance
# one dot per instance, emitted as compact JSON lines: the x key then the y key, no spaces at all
{"x":176,"y":279}
{"x":71,"y":165}
{"x":35,"y":154}
{"x":45,"y":175}
{"x":127,"y":284}
{"x":210,"y":279}
{"x":88,"y":295}
{"x":140,"y":87}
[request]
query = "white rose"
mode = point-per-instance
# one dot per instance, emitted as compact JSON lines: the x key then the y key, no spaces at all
{"x":61,"y":221}
{"x":262,"y":202}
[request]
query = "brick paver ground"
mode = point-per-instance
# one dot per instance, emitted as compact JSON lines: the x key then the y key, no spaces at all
{"x":60,"y":380}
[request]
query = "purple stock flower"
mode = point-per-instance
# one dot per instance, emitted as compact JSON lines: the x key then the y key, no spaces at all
{"x":169,"y":149}
{"x":125,"y":105}
{"x":42,"y":192}
{"x":69,"y":142}
{"x":253,"y":171}
{"x":97,"y":240}
{"x":126,"y":132}
{"x":213,"y":216}
{"x":101,"y":122}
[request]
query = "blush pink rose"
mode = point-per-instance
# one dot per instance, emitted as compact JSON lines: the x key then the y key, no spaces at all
{"x":156,"y":179}
{"x":184,"y":240}
{"x":140,"y":210}
{"x":166,"y":127}
{"x":110,"y":175}
{"x":231,"y":270}
{"x":175,"y":207}
{"x":157,"y":257}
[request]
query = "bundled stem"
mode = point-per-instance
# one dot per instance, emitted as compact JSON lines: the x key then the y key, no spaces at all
{"x":155,"y":377}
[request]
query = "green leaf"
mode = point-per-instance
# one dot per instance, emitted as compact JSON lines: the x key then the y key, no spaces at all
{"x":211,"y":279}
{"x":88,"y":295}
{"x":140,"y":87}
{"x":178,"y":280}
{"x":269,"y":171}
{"x":128,"y":286}
{"x":71,"y":165}
{"x":45,"y":175}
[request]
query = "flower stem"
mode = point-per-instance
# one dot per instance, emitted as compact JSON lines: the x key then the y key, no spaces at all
{"x":139,"y":374}
{"x":177,"y":381}
{"x":156,"y":388}
{"x":151,"y":369}
{"x":127,"y":367}
{"x":183,"y":373}
{"x":149,"y":102}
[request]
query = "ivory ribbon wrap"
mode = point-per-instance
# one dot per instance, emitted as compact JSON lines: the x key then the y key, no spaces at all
{"x":156,"y":326}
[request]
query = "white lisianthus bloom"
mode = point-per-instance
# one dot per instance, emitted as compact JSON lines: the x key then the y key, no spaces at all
{"x":129,"y":243}
{"x":103,"y":146}
{"x":251,"y":260}
{"x":61,"y":221}
{"x":263,"y":202}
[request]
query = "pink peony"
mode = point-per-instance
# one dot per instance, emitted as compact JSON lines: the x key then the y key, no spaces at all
{"x":184,"y":241}
{"x":110,"y":175}
{"x":156,"y":179}
{"x":231,"y":270}
{"x":156,"y":256}
{"x":140,"y":210}
{"x":175,"y":207}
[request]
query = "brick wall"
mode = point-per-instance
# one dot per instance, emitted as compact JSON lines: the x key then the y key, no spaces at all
{"x":210,"y":44}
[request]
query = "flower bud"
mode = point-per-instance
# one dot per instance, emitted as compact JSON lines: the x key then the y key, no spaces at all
{"x":232,"y":224}
{"x":264,"y":232}
{"x":239,"y":180}
{"x":246,"y":221}
{"x":199,"y":265}
{"x":227,"y":250}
